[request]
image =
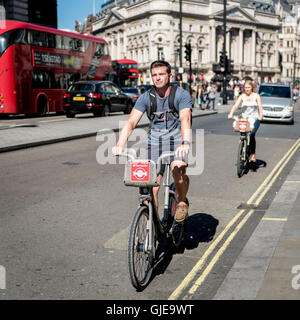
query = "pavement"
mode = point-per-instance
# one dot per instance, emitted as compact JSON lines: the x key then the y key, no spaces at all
{"x":267,"y":268}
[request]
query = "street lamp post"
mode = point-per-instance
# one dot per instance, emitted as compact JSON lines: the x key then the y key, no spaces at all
{"x":261,"y":68}
{"x":224,"y":53}
{"x":294,"y":68}
{"x":180,"y":41}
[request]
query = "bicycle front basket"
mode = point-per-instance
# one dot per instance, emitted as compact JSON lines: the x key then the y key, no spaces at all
{"x":242,"y":126}
{"x":140,"y":173}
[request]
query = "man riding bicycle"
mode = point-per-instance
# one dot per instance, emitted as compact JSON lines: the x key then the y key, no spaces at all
{"x":169,"y":130}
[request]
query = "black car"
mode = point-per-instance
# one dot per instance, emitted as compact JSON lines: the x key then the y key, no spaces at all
{"x":131,"y":92}
{"x":98,"y":97}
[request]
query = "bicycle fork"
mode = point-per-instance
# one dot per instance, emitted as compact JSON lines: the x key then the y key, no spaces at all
{"x":146,"y":196}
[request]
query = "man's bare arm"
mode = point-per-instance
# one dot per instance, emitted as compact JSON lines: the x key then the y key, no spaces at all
{"x":134,"y":118}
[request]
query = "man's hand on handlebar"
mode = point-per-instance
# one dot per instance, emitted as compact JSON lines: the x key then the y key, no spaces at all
{"x":116,"y":150}
{"x":182,"y":151}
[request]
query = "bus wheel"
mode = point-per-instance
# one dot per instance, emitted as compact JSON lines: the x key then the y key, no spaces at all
{"x":42,"y":106}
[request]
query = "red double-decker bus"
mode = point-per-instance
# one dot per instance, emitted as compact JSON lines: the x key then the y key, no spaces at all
{"x":37,"y":65}
{"x":126,"y":72}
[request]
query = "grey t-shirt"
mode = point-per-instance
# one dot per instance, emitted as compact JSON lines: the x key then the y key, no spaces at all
{"x":164,"y":120}
{"x":165,"y":130}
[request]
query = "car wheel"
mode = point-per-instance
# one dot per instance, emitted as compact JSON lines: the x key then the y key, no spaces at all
{"x":128,"y":108}
{"x":106,"y":110}
{"x":292,"y":122}
{"x":97,"y":113}
{"x":70,"y":115}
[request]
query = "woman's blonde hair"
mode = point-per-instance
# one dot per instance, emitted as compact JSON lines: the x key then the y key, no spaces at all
{"x":251,"y":83}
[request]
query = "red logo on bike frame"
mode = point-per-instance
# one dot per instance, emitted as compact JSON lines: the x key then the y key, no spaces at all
{"x":243,"y":125}
{"x":140,"y":171}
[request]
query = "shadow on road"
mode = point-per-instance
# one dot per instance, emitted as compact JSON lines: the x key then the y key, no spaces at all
{"x":199,"y":227}
{"x":254,"y":166}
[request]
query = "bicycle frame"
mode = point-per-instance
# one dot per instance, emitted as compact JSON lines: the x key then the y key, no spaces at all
{"x":245,"y":136}
{"x":146,"y":199}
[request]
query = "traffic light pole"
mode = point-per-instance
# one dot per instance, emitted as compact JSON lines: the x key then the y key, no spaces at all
{"x":224,"y":54}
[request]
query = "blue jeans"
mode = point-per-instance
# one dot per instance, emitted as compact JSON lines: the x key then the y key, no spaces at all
{"x":213,"y":103}
{"x":252,"y":137}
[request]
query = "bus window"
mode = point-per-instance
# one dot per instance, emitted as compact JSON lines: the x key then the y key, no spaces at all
{"x":39,"y":38}
{"x":105,"y":50}
{"x":10,"y":37}
{"x":51,"y":40}
{"x":59,"y":41}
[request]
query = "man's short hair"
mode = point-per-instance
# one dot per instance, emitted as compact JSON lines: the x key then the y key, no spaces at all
{"x":160,"y":63}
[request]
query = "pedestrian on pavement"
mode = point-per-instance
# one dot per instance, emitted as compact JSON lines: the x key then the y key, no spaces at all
{"x":251,"y":109}
{"x":199,"y":94}
{"x":193,"y":94}
{"x":219,"y":90}
{"x":169,"y":130}
{"x":212,"y":97}
{"x":236,"y":92}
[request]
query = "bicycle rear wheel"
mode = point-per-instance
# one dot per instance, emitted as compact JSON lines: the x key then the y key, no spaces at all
{"x":240,"y":161}
{"x":140,"y":258}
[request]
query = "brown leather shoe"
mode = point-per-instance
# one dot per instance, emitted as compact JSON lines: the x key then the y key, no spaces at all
{"x":181,"y":212}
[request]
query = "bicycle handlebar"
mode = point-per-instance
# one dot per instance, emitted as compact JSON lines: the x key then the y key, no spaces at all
{"x":131,"y":153}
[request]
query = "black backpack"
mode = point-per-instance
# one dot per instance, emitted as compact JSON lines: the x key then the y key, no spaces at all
{"x":153,"y":103}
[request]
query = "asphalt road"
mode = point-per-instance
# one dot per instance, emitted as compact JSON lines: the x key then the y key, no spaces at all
{"x":65,"y":218}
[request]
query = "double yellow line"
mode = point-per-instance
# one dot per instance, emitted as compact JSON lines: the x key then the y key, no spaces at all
{"x":258,"y":195}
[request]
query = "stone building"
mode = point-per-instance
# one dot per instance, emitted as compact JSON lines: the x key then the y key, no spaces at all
{"x":146,"y":30}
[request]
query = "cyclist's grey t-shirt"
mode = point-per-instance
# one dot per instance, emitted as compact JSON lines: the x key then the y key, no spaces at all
{"x":164,"y":120}
{"x":165,"y":130}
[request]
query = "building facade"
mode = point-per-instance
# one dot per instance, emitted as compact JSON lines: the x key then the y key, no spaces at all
{"x":146,"y":30}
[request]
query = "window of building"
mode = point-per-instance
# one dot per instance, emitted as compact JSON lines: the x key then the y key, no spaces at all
{"x":160,"y":53}
{"x":200,"y":56}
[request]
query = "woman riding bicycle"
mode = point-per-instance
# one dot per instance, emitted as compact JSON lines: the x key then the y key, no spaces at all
{"x":251,"y":109}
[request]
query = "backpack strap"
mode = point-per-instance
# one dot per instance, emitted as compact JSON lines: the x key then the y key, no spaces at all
{"x":171,"y":101}
{"x":153,"y":102}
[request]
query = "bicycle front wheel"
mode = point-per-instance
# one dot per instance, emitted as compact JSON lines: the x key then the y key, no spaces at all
{"x":141,"y":249}
{"x":240,"y":159}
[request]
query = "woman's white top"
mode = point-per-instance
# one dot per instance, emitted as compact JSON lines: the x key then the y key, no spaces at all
{"x":250,"y":106}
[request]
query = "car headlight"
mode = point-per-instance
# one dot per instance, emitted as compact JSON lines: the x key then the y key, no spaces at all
{"x":290,"y":108}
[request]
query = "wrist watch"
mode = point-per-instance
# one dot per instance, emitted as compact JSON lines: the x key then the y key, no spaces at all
{"x":185,"y":142}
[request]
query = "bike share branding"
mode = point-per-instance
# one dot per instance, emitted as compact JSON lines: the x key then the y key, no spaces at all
{"x":140,"y":171}
{"x":243,"y":125}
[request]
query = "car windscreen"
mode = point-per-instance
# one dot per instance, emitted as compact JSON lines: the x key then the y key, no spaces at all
{"x":275,"y":91}
{"x":82,"y":87}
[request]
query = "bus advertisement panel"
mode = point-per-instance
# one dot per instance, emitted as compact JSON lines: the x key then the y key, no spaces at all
{"x":37,"y":65}
{"x":125,"y":72}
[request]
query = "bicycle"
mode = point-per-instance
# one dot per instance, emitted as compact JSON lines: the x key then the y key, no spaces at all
{"x":146,"y":227}
{"x":244,"y":127}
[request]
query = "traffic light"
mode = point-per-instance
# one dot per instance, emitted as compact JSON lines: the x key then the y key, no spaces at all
{"x":229,"y":65}
{"x":222,"y":60}
{"x":188,"y":51}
